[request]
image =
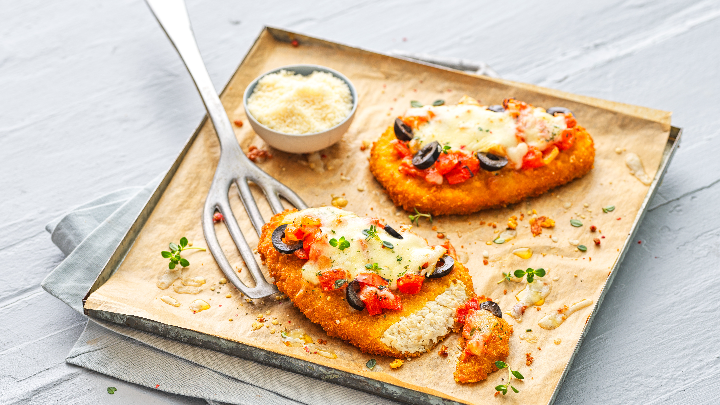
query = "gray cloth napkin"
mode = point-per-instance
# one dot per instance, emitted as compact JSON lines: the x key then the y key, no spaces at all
{"x":88,"y":235}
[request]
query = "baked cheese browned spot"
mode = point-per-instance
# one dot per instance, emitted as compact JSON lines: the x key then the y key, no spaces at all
{"x":408,"y":332}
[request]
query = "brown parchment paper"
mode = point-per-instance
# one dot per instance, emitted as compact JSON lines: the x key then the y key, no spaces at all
{"x":385,"y":87}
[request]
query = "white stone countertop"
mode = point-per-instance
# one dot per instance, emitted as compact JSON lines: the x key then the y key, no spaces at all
{"x":93,"y":98}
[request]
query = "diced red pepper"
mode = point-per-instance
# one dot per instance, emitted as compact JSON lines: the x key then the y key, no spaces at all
{"x":464,"y":309}
{"x":567,"y":138}
{"x":301,"y":254}
{"x":401,"y":148}
{"x":459,"y":174}
{"x":446,"y":162}
{"x":570,"y":121}
{"x":369,"y":297}
{"x":388,"y":300}
{"x":410,"y":283}
{"x":371,"y":279}
{"x":532,"y":159}
{"x":329,"y":279}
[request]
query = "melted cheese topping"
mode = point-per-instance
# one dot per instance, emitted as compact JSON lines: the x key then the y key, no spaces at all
{"x":556,"y":319}
{"x":533,"y":294}
{"x":477,"y":129}
{"x":407,"y":256}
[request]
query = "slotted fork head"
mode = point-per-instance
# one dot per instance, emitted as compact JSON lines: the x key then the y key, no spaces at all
{"x":239,"y":170}
{"x":233,"y":167}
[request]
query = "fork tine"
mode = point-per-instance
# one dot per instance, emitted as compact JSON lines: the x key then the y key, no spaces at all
{"x":214,"y":247}
{"x":274,"y":200}
{"x":245,"y":251}
{"x":250,"y":205}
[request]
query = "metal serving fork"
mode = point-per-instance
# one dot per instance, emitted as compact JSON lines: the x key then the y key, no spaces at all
{"x":233,"y":167}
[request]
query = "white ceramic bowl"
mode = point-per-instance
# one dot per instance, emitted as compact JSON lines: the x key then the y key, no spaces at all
{"x":304,"y":143}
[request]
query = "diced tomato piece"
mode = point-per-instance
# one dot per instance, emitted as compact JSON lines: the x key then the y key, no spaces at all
{"x":464,"y":309}
{"x":471,"y":162}
{"x":432,"y":176}
{"x":401,"y":148}
{"x":532,"y":159}
{"x":388,"y":300}
{"x":567,"y":138}
{"x":459,"y":174}
{"x":371,"y":279}
{"x":570,"y":121}
{"x":408,"y":169}
{"x":369,"y":297}
{"x":329,"y":279}
{"x":410,"y":283}
{"x":301,"y":254}
{"x":446,"y":162}
{"x":309,"y":240}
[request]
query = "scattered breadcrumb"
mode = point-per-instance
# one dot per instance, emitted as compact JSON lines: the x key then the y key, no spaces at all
{"x":528,"y":359}
{"x":512,"y":222}
{"x":258,"y":155}
{"x":536,"y":224}
{"x":397,"y":363}
{"x":443,"y":351}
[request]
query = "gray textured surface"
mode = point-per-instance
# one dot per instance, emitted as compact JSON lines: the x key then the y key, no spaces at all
{"x":93,"y":99}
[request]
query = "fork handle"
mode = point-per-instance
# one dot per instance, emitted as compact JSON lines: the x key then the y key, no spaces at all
{"x":173,"y":18}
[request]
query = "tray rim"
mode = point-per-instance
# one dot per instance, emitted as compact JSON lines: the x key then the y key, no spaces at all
{"x":299,"y":365}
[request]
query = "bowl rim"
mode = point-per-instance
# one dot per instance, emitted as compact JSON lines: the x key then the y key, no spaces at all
{"x":321,"y":68}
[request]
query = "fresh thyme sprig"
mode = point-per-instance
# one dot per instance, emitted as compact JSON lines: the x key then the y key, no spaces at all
{"x":371,"y":233}
{"x":415,"y":219}
{"x":531,"y":273}
{"x":504,"y":388}
{"x":506,"y":277}
{"x":341,"y":244}
{"x":174,"y":253}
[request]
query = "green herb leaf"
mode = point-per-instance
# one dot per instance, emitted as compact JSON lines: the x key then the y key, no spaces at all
{"x":582,"y":248}
{"x":399,"y":258}
{"x":415,"y":104}
{"x":333,"y":242}
{"x":173,"y":247}
{"x":415,"y":219}
{"x":540,"y":272}
{"x":575,"y":223}
{"x":499,"y":387}
{"x":184,"y":262}
{"x":528,"y":330}
{"x":111,"y":390}
{"x":339,"y":283}
{"x":387,"y":244}
{"x":183,"y":241}
{"x":500,"y":364}
{"x":517,"y":375}
{"x":344,"y":244}
{"x":371,"y":364}
{"x":609,"y":209}
{"x":166,"y":254}
{"x":437,"y":103}
{"x":530,"y":277}
{"x":519,"y":273}
{"x":171,"y":265}
{"x":514,"y":389}
{"x":446,"y":148}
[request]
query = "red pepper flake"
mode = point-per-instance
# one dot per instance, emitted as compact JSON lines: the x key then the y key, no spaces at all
{"x":157,"y":385}
{"x":220,"y":305}
{"x":404,"y":39}
{"x":618,"y":218}
{"x":295,"y":43}
{"x":218,"y":217}
{"x":597,"y":241}
{"x":603,"y":236}
{"x":485,"y":262}
{"x":505,"y":292}
{"x":238,"y":123}
{"x":639,"y":242}
{"x":440,"y":235}
{"x":593,"y":228}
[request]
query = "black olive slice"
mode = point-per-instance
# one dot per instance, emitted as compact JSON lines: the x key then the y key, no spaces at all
{"x":555,"y":110}
{"x":427,"y":155}
{"x":443,"y":267}
{"x":351,"y":295}
{"x":492,"y":307}
{"x":496,"y":108}
{"x":402,"y":131}
{"x":395,"y":234}
{"x":490,"y":162}
{"x":281,"y":246}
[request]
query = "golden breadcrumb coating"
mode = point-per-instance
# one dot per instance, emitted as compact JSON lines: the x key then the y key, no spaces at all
{"x":485,"y":189}
{"x":473,"y":368}
{"x":331,"y":311}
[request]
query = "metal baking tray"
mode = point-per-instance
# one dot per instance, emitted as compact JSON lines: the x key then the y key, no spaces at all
{"x":301,"y":366}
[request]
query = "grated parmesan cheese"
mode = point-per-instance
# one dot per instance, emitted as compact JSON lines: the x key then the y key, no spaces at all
{"x":296,"y":104}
